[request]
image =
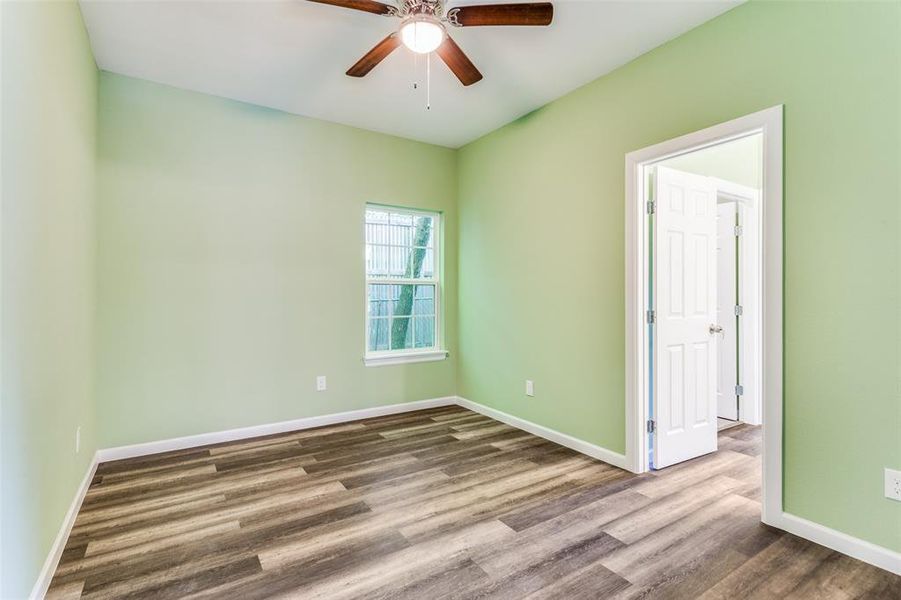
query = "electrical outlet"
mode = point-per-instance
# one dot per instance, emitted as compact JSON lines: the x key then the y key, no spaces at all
{"x":530,"y":387}
{"x":893,"y":484}
{"x":320,"y":383}
{"x":78,"y":439}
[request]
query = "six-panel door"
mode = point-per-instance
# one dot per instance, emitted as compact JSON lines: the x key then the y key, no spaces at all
{"x":685,"y":342}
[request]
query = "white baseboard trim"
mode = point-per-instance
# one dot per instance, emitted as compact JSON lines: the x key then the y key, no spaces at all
{"x":840,"y":542}
{"x":56,"y":550}
{"x":241,"y":433}
{"x":592,"y":450}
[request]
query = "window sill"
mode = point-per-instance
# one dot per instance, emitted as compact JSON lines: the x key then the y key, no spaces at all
{"x":400,"y":359}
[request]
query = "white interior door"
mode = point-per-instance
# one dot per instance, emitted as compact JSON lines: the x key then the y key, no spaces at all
{"x":727,"y":354}
{"x":685,"y":343}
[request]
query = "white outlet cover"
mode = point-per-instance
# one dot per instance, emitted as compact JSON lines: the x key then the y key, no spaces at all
{"x":321,"y":383}
{"x":78,"y":439}
{"x":893,"y":484}
{"x":530,"y":387}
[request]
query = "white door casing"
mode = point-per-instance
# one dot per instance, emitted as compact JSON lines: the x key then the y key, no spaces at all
{"x":685,"y":345}
{"x":727,"y":354}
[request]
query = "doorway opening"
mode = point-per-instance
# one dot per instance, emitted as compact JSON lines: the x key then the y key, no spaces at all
{"x":704,"y":265}
{"x":704,"y":295}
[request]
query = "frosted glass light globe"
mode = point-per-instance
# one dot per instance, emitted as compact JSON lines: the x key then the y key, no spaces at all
{"x":421,"y":35}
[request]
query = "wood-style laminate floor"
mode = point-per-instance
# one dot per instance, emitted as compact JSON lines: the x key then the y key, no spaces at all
{"x":442,"y":503}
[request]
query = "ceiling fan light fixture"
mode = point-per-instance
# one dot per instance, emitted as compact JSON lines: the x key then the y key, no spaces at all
{"x":422,"y":34}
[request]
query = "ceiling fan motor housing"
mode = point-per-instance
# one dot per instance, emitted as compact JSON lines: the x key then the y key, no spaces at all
{"x":431,"y":8}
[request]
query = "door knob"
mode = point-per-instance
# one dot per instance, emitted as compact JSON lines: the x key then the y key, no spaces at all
{"x":715,"y":329}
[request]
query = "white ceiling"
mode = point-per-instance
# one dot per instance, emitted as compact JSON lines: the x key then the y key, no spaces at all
{"x":292,"y":55}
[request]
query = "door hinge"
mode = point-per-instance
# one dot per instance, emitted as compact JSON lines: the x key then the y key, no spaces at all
{"x":738,"y":310}
{"x":738,"y":230}
{"x":652,"y":206}
{"x":739,"y":390}
{"x":652,"y":426}
{"x":652,"y":317}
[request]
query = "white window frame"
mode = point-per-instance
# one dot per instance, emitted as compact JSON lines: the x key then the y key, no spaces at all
{"x":410,"y":355}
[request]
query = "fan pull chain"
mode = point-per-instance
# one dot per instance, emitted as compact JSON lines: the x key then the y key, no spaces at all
{"x":415,"y":71}
{"x":428,"y":82}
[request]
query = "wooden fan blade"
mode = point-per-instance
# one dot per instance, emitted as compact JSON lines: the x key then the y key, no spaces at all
{"x":375,"y":56}
{"x":458,"y":62}
{"x":370,"y":6}
{"x":535,"y":13}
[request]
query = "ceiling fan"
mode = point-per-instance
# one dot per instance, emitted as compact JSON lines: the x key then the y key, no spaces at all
{"x":423,"y":29}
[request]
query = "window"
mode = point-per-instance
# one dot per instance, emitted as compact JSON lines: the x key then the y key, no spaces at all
{"x":403,"y":286}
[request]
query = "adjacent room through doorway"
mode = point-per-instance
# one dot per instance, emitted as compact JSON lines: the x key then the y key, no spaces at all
{"x":704,"y":307}
{"x":733,"y":171}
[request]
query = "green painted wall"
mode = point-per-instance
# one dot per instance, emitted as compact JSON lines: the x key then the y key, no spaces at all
{"x":48,"y":152}
{"x":737,"y":161}
{"x":230,"y":263}
{"x":541,"y":241}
